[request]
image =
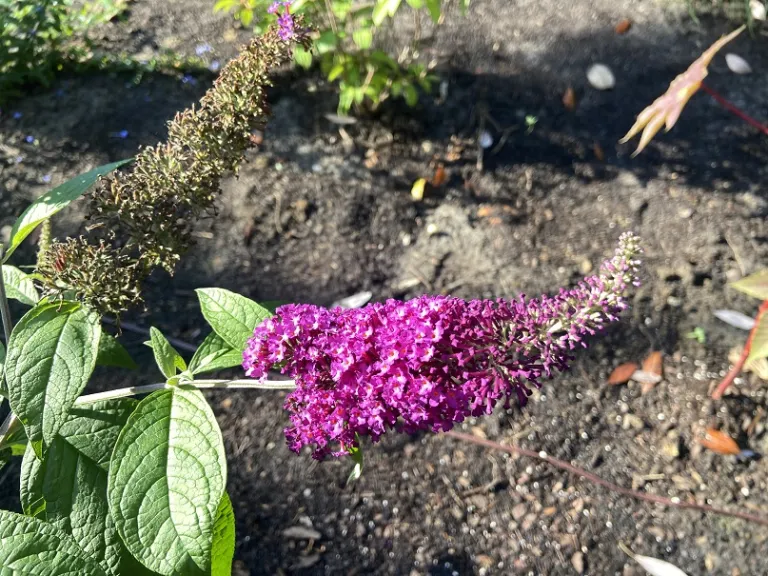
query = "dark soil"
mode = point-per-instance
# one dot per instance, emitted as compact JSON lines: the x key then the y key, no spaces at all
{"x":310,"y":220}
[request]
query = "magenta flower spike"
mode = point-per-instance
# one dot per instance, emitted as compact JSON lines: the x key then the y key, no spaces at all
{"x":430,"y":362}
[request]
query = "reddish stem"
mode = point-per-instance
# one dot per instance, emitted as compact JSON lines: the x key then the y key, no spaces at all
{"x":731,"y":376}
{"x":512,"y":449}
{"x":733,"y":109}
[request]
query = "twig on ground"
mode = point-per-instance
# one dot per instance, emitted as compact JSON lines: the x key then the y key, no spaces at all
{"x":734,"y":110}
{"x":575,"y":470}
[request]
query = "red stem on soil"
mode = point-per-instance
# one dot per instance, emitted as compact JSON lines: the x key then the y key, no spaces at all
{"x":512,"y":449}
{"x":733,"y":109}
{"x":731,"y":376}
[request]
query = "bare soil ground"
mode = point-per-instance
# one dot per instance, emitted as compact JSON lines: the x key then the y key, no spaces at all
{"x":309,"y":220}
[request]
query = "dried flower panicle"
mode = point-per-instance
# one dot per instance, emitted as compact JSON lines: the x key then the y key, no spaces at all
{"x":141,"y":217}
{"x":430,"y":362}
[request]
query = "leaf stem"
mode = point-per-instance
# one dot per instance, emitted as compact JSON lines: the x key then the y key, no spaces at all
{"x":5,"y":310}
{"x":11,"y":421}
{"x":595,"y":479}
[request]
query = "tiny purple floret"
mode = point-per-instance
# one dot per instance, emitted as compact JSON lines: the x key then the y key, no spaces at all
{"x":285,"y":23}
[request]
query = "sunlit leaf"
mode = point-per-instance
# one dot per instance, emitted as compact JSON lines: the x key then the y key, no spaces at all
{"x":755,"y":285}
{"x":759,"y":347}
{"x":666,"y":109}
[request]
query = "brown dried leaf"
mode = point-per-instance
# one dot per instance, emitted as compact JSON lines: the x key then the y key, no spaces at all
{"x":666,"y":109}
{"x":623,"y":26}
{"x":653,"y":364}
{"x":598,"y":150}
{"x":622,"y":373}
{"x":569,"y":99}
{"x":719,"y":442}
{"x":440,"y":176}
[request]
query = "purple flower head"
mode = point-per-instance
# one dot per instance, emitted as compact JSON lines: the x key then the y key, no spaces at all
{"x":428,"y":363}
{"x":285,"y":23}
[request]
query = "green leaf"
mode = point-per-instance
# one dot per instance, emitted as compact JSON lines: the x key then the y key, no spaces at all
{"x":112,"y":353}
{"x":233,"y":317}
{"x":2,"y":369}
{"x":380,"y":12}
{"x":433,"y":6}
{"x":759,"y":347}
{"x":166,"y":480}
{"x":357,"y":457}
{"x":416,"y":4}
{"x":31,"y":546}
{"x":327,"y":42}
{"x":51,"y":202}
{"x":166,"y":356}
{"x":363,"y":38}
{"x":223,"y":547}
{"x":755,"y":285}
{"x":225,"y":5}
{"x":69,"y":488}
{"x":410,"y":94}
{"x":302,"y":57}
{"x":246,"y":17}
{"x":19,"y":286}
{"x":214,"y":354}
{"x":464,"y":5}
{"x":335,"y":72}
{"x":51,"y":354}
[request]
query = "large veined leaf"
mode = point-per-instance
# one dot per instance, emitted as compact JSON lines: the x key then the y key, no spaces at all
{"x":223,"y":547}
{"x":755,"y":285}
{"x":19,"y":286}
{"x":214,"y":354}
{"x":31,"y":546}
{"x":166,"y":480}
{"x":51,"y":354}
{"x":53,"y":201}
{"x":232,"y":316}
{"x":69,"y":488}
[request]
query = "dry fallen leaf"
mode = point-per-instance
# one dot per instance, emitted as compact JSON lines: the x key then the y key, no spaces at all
{"x":622,"y":373}
{"x":653,"y":566}
{"x":623,"y":26}
{"x":417,"y":190}
{"x":653,"y":363}
{"x":719,"y":442}
{"x":440,"y":176}
{"x":666,"y":109}
{"x":735,"y":319}
{"x":569,"y":99}
{"x":598,"y":150}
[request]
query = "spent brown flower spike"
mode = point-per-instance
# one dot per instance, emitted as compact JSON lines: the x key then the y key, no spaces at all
{"x":667,"y":108}
{"x":141,"y":218}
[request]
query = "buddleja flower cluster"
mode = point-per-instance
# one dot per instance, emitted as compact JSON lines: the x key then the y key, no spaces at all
{"x":430,"y":362}
{"x":141,"y":218}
